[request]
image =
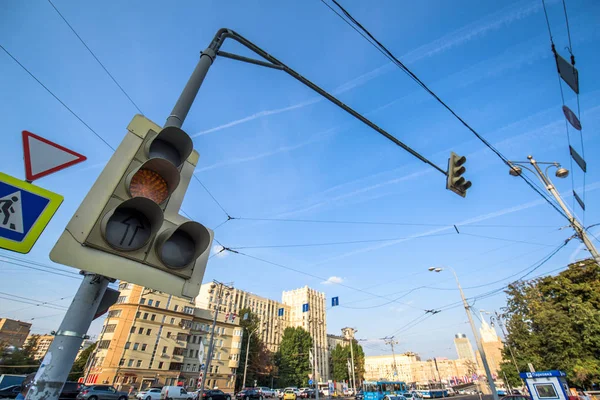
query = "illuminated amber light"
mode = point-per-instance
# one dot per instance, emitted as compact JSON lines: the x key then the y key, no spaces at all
{"x":149,"y":184}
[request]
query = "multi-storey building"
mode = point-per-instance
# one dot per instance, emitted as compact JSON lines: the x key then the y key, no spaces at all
{"x":492,"y":345}
{"x":150,"y":338}
{"x":314,"y":321}
{"x":41,"y":345}
{"x":13,"y":332}
{"x":334,"y":340}
{"x":382,"y":367}
{"x":463,"y":347}
{"x":266,"y":309}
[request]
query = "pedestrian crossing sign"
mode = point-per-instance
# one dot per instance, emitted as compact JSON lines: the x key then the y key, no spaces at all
{"x":25,"y":210}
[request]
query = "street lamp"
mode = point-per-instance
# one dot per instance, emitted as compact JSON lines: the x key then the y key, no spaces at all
{"x":248,"y":349}
{"x":488,"y":373}
{"x":516,"y":169}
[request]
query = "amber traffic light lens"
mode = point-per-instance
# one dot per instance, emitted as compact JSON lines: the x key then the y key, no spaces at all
{"x":149,"y":184}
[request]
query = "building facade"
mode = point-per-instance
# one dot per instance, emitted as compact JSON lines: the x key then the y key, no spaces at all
{"x":314,"y":321}
{"x":382,"y":367}
{"x":152,"y":339}
{"x":13,"y":332}
{"x":41,"y":345}
{"x":463,"y":347}
{"x":266,"y":309}
{"x":492,"y":345}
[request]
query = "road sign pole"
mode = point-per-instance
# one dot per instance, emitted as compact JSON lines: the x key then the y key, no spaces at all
{"x":54,"y":370}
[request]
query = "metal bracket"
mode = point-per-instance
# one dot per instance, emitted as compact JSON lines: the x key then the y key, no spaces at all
{"x":70,"y":333}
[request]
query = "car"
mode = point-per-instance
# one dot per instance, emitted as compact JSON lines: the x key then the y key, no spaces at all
{"x":393,"y":397}
{"x":215,"y":394}
{"x":248,"y":394}
{"x":516,"y":397}
{"x":70,"y":390}
{"x":412,"y":396}
{"x":175,"y":393}
{"x":360,"y":395}
{"x":278,"y":393}
{"x":10,"y":392}
{"x":289,"y":394}
{"x":312,"y":394}
{"x":148,"y":394}
{"x":452,"y":392}
{"x":266,"y":392}
{"x":101,"y":392}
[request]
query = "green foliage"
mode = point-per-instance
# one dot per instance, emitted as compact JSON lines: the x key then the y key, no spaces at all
{"x":19,"y":357}
{"x":554,"y":323}
{"x":292,"y":358}
{"x":339,"y":362}
{"x":260,"y":361}
{"x":78,"y":368}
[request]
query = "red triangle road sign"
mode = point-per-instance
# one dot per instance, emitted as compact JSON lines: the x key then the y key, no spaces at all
{"x":43,"y":157}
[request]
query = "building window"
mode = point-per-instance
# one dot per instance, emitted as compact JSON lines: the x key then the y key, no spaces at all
{"x":132,"y":330}
{"x":127,"y":345}
{"x":130,"y":363}
{"x":148,"y":332}
{"x":178,"y":351}
{"x":139,"y":363}
{"x":172,"y":321}
{"x":160,"y":365}
{"x":145,"y":315}
{"x":103,"y":344}
{"x":110,"y":328}
{"x":197,"y":351}
{"x":150,"y":302}
{"x":217,"y":368}
{"x":136,"y":346}
{"x":122,"y":362}
{"x":143,"y":346}
{"x":157,"y":303}
{"x":142,"y":301}
{"x":137,"y":314}
{"x":187,"y":367}
{"x":165,"y":350}
{"x":114,"y":313}
{"x":188,"y":310}
{"x":153,"y":317}
{"x":168,"y":335}
{"x":176,"y":307}
{"x":121,"y":299}
{"x":140,"y":331}
{"x":194,"y":366}
{"x":193,"y":339}
{"x":175,"y":367}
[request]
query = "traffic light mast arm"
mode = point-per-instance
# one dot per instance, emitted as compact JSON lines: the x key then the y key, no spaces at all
{"x":191,"y":89}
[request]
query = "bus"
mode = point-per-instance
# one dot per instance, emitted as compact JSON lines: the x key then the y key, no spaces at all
{"x":376,"y":390}
{"x":433,"y":390}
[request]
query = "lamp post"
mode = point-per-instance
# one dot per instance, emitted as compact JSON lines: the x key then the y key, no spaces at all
{"x":516,"y":169}
{"x":248,"y":351}
{"x":488,"y":373}
{"x":349,"y":334}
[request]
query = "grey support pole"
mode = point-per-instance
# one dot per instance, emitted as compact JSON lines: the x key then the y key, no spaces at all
{"x":54,"y":370}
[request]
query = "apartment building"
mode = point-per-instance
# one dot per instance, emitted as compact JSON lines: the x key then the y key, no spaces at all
{"x":151,"y":338}
{"x":314,"y":321}
{"x":41,"y":346}
{"x":463,"y":347}
{"x":266,"y":309}
{"x":382,"y":367}
{"x":13,"y":332}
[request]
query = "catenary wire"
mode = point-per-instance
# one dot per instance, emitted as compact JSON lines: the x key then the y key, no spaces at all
{"x":42,"y":270}
{"x":426,"y":88}
{"x":95,"y":57}
{"x":70,"y":271}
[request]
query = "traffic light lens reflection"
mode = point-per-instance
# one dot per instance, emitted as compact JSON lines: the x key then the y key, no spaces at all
{"x":127,"y":229}
{"x":178,"y":251}
{"x":149,"y":184}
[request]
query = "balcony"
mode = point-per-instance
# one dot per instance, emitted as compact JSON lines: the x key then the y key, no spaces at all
{"x":233,"y":364}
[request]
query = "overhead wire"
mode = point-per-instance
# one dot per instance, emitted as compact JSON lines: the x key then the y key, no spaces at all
{"x":351,"y":20}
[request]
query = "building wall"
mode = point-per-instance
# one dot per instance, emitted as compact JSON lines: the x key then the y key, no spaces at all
{"x":148,"y":339}
{"x":13,"y":332}
{"x":412,"y":369}
{"x":463,"y":347}
{"x":266,"y":309}
{"x":314,"y":321}
{"x":42,"y":344}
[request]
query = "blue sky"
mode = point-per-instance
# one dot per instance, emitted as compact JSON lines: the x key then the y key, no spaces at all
{"x":271,"y":148}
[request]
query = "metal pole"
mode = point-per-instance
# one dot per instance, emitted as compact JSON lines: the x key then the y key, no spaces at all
{"x":210,"y":344}
{"x":54,"y":370}
{"x":579,"y":229}
{"x":488,"y":373}
{"x":246,"y":364}
{"x":352,"y":363}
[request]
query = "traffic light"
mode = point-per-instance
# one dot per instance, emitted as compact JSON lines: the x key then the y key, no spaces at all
{"x":128,"y":226}
{"x":456,"y":182}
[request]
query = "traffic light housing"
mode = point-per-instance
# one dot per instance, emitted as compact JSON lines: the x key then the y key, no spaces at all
{"x":128,"y":226}
{"x":455,"y":181}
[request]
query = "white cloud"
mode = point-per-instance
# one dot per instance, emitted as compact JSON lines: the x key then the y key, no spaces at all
{"x":219,"y":251}
{"x":332,"y":279}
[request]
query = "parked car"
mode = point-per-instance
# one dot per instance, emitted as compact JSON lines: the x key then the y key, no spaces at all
{"x":266,"y":392}
{"x":148,"y":394}
{"x":289,"y":394}
{"x":412,"y":396}
{"x":175,"y":393}
{"x":101,"y":392}
{"x":70,"y":390}
{"x":452,"y":392}
{"x":278,"y":393}
{"x":214,"y":395}
{"x":248,"y":394}
{"x":393,"y":397}
{"x":10,"y":392}
{"x":360,"y":395}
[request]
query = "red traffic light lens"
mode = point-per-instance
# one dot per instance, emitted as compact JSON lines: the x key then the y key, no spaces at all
{"x":149,"y":184}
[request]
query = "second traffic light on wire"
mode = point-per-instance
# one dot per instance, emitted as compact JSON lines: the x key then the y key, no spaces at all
{"x":455,"y":181}
{"x":128,"y":227}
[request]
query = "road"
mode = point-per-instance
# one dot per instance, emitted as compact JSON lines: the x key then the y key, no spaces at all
{"x":472,"y":397}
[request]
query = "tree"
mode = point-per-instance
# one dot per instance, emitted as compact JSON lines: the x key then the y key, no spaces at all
{"x":339,"y":360}
{"x":554,"y":323}
{"x":259,"y":358}
{"x":10,"y":355}
{"x":292,"y":358}
{"x":78,"y":368}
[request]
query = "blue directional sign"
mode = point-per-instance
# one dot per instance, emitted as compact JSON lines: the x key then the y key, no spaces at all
{"x":280,"y":312}
{"x":335,"y":301}
{"x":305,"y":307}
{"x":310,"y":381}
{"x":25,"y":210}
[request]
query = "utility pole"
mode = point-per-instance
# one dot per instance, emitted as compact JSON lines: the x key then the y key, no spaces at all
{"x":222,"y":290}
{"x":247,"y":352}
{"x":580,"y":231}
{"x":312,"y":324}
{"x":349,"y":334}
{"x":486,"y":366}
{"x":390,"y":340}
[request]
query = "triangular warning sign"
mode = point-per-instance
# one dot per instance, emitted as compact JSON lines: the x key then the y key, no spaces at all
{"x":11,"y":212}
{"x":43,"y":157}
